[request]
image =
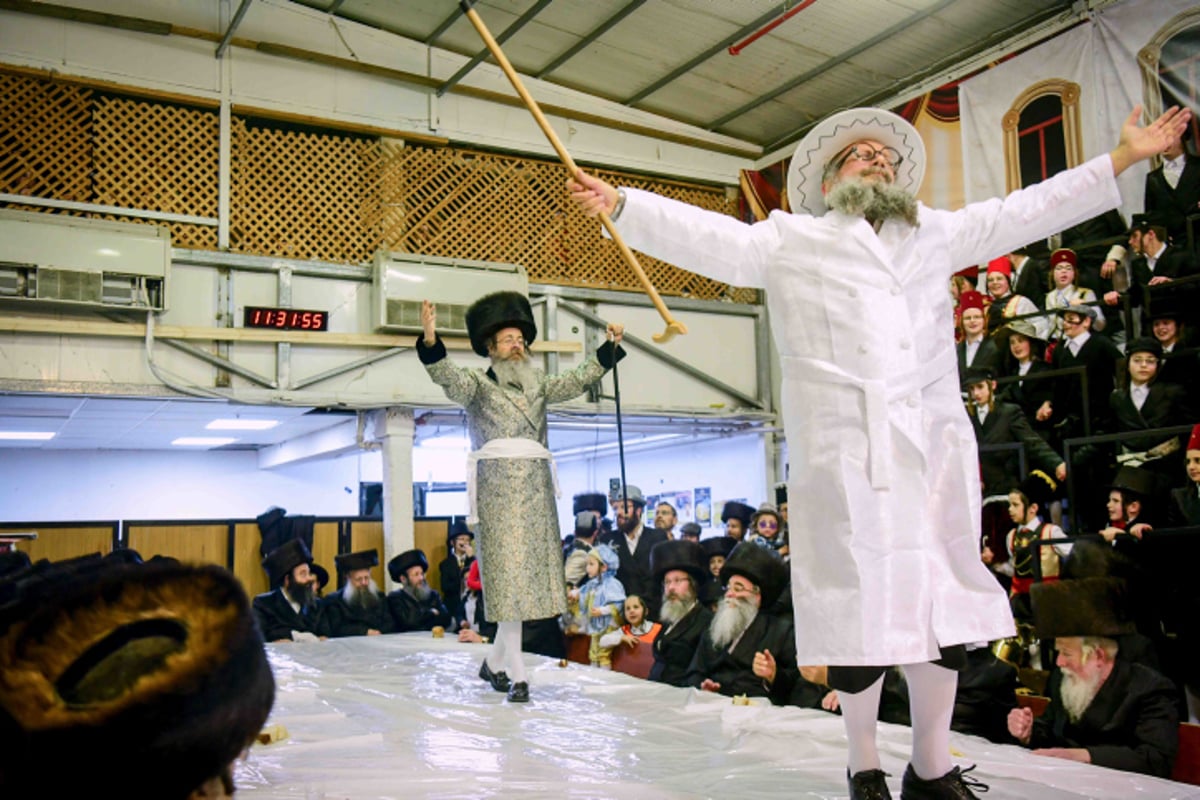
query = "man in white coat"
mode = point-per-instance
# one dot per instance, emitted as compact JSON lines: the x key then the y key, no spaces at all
{"x":882,"y":451}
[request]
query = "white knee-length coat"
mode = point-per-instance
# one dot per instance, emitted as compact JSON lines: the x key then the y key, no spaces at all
{"x":884,"y":470}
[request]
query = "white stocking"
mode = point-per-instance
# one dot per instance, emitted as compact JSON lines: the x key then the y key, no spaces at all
{"x":860,"y":712}
{"x":931,"y":703}
{"x":508,"y":641}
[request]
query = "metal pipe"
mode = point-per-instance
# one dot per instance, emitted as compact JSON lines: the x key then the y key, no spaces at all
{"x":237,"y":20}
{"x":770,"y":26}
{"x":221,"y":363}
{"x":96,"y":208}
{"x":362,"y":362}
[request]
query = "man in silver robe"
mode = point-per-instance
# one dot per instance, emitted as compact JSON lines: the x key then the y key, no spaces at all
{"x":511,"y":484}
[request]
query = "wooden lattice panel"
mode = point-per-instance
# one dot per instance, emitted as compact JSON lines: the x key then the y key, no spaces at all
{"x":302,"y":194}
{"x":45,"y":138}
{"x":156,"y":156}
{"x":465,"y":204}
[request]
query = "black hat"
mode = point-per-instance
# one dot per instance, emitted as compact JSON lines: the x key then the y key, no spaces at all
{"x":1082,"y":310}
{"x":587,"y":524}
{"x":761,"y":566}
{"x":1039,"y":488}
{"x":13,"y":562}
{"x":735,"y":510}
{"x":1134,"y":479}
{"x":1163,"y":306}
{"x":495,"y":312}
{"x":973,"y":375}
{"x":591,"y":501}
{"x":158,"y":665}
{"x":780,"y":493}
{"x":283,"y":559}
{"x":678,"y":554}
{"x":1081,"y":607}
{"x":349,"y":562}
{"x":718,"y":546}
{"x":459,"y":528}
{"x":1144,"y":344}
{"x":402,"y":563}
{"x":691,"y":529}
{"x":321,"y":573}
{"x":1144,"y":222}
{"x":711,"y":592}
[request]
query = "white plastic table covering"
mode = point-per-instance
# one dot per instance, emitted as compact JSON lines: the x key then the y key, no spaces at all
{"x":405,"y":716}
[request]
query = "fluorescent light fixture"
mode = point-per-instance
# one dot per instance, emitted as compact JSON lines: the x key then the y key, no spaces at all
{"x":202,"y":441}
{"x":447,"y":443}
{"x":107,"y":251}
{"x":26,"y":436}
{"x":241,"y":424}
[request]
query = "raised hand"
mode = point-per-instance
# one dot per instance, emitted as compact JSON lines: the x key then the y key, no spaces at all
{"x":1138,"y":143}
{"x":428,"y":319}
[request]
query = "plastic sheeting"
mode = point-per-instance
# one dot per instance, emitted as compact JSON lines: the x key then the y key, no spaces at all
{"x":406,"y":716}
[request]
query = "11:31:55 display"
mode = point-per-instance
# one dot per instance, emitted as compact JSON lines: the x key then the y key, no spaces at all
{"x":285,"y":319}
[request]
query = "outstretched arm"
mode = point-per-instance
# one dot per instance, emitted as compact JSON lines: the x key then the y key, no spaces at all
{"x":592,"y":194}
{"x":1137,"y":143}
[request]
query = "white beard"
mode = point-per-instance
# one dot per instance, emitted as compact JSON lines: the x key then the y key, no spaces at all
{"x":519,"y":373}
{"x":367,"y":598}
{"x":675,"y":609}
{"x":875,"y":201}
{"x":733,"y":616}
{"x":1077,"y":693}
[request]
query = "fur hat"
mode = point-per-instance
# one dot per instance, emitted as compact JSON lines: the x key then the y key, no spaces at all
{"x":401,"y":564}
{"x":1081,"y":607}
{"x":735,"y":510}
{"x":761,"y":566}
{"x":606,"y":556}
{"x":321,"y":573}
{"x":717,"y":546}
{"x":678,"y":554}
{"x":280,"y":562}
{"x":158,"y":667}
{"x":590,"y":501}
{"x":349,"y":562}
{"x":498,"y":311}
{"x":835,"y":133}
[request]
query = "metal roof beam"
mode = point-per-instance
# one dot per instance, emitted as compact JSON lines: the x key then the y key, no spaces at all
{"x":592,"y":36}
{"x":237,"y":20}
{"x":525,"y":19}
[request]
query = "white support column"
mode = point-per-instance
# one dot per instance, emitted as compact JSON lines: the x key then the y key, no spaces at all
{"x":394,"y":429}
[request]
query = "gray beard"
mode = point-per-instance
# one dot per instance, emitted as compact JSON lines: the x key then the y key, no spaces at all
{"x":877,"y":202}
{"x":366,"y":598}
{"x":676,"y":608}
{"x":1077,"y":694}
{"x":520,"y":374}
{"x":420,"y":592}
{"x":733,"y":616}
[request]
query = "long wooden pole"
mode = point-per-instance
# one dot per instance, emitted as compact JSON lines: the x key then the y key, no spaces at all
{"x":674,"y":326}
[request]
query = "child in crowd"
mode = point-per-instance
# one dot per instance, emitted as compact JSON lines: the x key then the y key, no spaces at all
{"x":601,"y":600}
{"x":638,"y":628}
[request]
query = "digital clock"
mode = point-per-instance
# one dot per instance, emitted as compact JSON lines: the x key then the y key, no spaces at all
{"x":285,"y":319}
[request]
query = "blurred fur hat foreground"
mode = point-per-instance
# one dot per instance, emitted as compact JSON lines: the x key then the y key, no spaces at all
{"x":143,"y":680}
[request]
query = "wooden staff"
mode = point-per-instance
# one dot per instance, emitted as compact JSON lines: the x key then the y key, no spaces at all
{"x":674,"y":326}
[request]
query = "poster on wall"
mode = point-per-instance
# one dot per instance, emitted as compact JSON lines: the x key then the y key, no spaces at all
{"x":681,"y":501}
{"x":703,"y":496}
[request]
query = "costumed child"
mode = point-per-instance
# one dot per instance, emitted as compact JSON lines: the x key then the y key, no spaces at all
{"x":600,"y":602}
{"x":638,"y":628}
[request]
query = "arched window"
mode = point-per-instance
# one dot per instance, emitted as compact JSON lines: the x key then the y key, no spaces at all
{"x":1170,"y":65}
{"x":1041,"y":133}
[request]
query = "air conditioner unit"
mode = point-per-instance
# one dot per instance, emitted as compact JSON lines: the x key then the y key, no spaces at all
{"x":403,"y":280}
{"x":72,"y":261}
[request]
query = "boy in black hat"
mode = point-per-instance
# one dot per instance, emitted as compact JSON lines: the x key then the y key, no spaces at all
{"x":511,"y":487}
{"x":415,"y":606}
{"x":290,"y":612}
{"x":358,"y":608}
{"x":746,"y":651}
{"x":1103,"y":710}
{"x":460,"y":552}
{"x":736,"y":516}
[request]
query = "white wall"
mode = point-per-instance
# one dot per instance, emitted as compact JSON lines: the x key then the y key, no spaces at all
{"x":59,"y":485}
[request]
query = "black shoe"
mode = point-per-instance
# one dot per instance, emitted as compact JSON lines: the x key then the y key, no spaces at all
{"x":518,"y":692}
{"x":954,"y":785}
{"x":868,"y":785}
{"x":498,"y":680}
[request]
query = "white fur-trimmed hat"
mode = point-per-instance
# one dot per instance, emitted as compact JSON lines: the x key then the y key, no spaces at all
{"x":837,"y":132}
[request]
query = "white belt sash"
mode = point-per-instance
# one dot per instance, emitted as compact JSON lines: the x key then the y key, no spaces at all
{"x":504,"y":448}
{"x":877,"y":394}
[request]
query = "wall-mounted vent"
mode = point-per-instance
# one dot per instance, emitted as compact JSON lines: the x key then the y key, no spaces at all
{"x":403,"y":281}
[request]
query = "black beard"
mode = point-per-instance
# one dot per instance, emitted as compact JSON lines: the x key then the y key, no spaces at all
{"x":301,"y":593}
{"x":876,"y":202}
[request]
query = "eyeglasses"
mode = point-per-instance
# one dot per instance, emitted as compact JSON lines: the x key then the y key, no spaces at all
{"x":864,"y":152}
{"x":511,"y":339}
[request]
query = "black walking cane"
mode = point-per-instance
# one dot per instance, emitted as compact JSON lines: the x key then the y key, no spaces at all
{"x":620,"y":435}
